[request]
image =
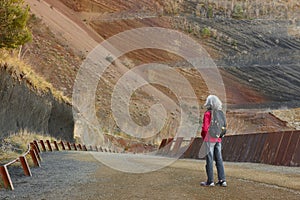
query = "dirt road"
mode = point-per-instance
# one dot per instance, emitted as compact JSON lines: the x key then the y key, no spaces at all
{"x":78,"y":175}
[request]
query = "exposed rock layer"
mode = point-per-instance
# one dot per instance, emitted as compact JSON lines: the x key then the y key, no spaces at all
{"x":23,"y":109}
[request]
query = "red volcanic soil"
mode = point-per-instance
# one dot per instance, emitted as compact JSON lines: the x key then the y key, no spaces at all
{"x":237,"y":93}
{"x":103,"y":19}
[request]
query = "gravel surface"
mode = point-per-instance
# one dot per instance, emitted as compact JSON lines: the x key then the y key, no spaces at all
{"x":57,"y":177}
{"x":78,"y":175}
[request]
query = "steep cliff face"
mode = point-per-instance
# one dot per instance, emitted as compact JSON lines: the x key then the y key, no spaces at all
{"x":21,"y":108}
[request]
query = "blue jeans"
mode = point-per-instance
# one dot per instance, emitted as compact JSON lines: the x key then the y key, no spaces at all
{"x":214,"y":153}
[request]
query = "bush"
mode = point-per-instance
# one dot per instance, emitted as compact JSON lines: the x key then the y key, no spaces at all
{"x":210,"y":12}
{"x":238,"y":12}
{"x":205,"y":32}
{"x":13,"y":24}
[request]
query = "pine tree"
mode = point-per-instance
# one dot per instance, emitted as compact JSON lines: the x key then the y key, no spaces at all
{"x":13,"y":24}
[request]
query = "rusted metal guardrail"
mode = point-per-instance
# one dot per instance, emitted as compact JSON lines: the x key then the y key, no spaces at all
{"x":276,"y":148}
{"x":34,"y":151}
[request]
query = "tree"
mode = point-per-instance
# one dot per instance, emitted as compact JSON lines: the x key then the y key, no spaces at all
{"x":13,"y":24}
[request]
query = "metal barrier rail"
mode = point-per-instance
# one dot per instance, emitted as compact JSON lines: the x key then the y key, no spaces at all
{"x":275,"y":148}
{"x":22,"y":159}
{"x":34,"y":151}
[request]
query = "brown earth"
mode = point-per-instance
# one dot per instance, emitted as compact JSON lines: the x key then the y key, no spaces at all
{"x":62,"y":40}
{"x":75,"y":30}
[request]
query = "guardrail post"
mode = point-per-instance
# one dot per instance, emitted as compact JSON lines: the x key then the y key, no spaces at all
{"x":6,"y":178}
{"x":75,"y":146}
{"x":34,"y":158}
{"x":36,"y":150}
{"x":69,"y":145}
{"x":49,"y":145}
{"x":25,"y":165}
{"x":37,"y":146}
{"x":62,"y":145}
{"x":84,"y":148}
{"x":43,"y":145}
{"x":56,"y":146}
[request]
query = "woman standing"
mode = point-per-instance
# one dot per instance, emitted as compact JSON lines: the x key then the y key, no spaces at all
{"x":213,"y":145}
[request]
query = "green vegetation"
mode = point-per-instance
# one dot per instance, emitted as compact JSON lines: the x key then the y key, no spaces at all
{"x":17,"y":144}
{"x":13,"y":24}
{"x":238,"y":12}
{"x":210,"y":12}
{"x":205,"y":32}
{"x":21,"y":71}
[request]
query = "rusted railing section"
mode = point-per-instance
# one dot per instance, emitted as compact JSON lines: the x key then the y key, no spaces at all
{"x":276,"y":148}
{"x":34,"y":151}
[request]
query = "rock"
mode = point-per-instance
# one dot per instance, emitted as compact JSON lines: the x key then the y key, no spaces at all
{"x":21,"y":108}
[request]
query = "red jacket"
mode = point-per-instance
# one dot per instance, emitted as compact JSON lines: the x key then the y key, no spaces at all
{"x":204,"y":133}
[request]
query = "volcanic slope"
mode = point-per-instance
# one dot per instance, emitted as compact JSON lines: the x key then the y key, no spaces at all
{"x":243,"y":69}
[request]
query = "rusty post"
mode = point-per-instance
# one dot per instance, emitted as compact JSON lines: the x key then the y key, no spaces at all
{"x":49,"y":145}
{"x":34,"y":158}
{"x":69,"y":145}
{"x":163,"y":143}
{"x":25,"y":165}
{"x":75,"y":147}
{"x":56,"y":146}
{"x":177,"y":145}
{"x":6,"y":178}
{"x":84,"y":148}
{"x":167,"y":148}
{"x":38,"y":155}
{"x":43,"y":145}
{"x":188,"y":151}
{"x":37,"y":146}
{"x":161,"y":146}
{"x":80,"y":147}
{"x":32,"y":145}
{"x":62,"y":145}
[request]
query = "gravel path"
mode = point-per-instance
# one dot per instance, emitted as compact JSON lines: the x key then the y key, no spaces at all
{"x":78,"y":175}
{"x":57,"y":177}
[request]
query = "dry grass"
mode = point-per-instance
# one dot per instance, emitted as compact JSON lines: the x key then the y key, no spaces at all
{"x":292,"y":116}
{"x":17,"y":144}
{"x":21,"y":71}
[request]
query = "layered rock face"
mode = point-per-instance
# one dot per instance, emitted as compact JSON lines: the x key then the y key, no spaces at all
{"x":21,"y":108}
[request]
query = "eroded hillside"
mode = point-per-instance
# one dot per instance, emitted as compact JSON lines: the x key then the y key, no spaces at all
{"x":30,"y":104}
{"x":258,"y":59}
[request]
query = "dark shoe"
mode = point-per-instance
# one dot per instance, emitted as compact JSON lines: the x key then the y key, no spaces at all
{"x":222,"y":183}
{"x":207,"y":184}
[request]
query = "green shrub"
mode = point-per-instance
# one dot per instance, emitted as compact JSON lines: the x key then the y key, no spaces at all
{"x":210,"y":12}
{"x":13,"y":19}
{"x":205,"y":32}
{"x":238,"y":12}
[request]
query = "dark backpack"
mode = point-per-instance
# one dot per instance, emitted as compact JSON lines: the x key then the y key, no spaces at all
{"x":217,"y":127}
